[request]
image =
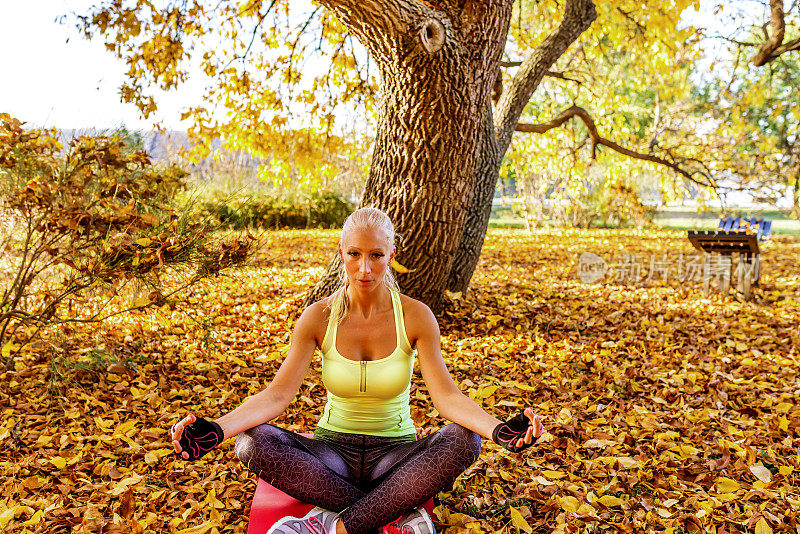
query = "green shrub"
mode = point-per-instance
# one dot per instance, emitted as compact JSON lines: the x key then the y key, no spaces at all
{"x":614,"y":205}
{"x":322,"y":209}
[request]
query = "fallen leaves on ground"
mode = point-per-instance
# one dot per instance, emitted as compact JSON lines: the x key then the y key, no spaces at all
{"x":665,"y":410}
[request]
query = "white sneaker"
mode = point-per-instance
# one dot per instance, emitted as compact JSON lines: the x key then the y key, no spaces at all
{"x":316,"y":521}
{"x":417,"y":521}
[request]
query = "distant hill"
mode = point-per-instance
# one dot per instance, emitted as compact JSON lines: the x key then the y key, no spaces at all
{"x":167,"y":146}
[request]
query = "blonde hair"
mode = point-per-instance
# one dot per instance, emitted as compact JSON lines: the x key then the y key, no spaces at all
{"x":362,"y":219}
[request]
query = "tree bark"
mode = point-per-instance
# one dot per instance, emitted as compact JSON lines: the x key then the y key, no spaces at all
{"x":775,"y":38}
{"x":437,"y":68}
{"x":479,"y":209}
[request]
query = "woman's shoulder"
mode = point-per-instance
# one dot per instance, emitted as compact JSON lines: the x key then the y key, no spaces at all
{"x":320,"y":310}
{"x":412,"y":305}
{"x":314,"y":321}
{"x":416,"y":314}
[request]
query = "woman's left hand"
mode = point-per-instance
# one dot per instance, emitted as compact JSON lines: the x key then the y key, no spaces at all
{"x":519,"y":432}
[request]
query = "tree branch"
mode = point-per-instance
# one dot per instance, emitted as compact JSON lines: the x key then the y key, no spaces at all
{"x":597,"y":139}
{"x":734,"y":41}
{"x":549,"y":73}
{"x":561,"y":76}
{"x":640,"y":28}
{"x":787,"y":47}
{"x":255,"y":30}
{"x":578,"y":16}
{"x":378,"y":24}
{"x":767,"y":50}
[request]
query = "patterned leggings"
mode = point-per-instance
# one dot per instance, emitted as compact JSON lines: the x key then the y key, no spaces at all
{"x":371,"y":480}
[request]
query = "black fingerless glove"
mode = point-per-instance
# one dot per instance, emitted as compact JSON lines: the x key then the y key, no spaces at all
{"x":200,"y":437}
{"x":507,"y":434}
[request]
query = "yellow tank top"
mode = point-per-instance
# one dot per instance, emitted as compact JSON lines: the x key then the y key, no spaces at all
{"x":368,"y":397}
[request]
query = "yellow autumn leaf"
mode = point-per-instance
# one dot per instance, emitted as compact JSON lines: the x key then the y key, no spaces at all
{"x":6,"y":351}
{"x":761,"y":473}
{"x":524,"y":387}
{"x":494,"y":319}
{"x":125,"y":427}
{"x":569,"y":503}
{"x":35,"y":519}
{"x":518,"y":520}
{"x":140,"y":302}
{"x":610,"y":500}
{"x":554,"y":474}
{"x":150,"y":458}
{"x":15,"y":511}
{"x":762,"y":527}
{"x":686,"y":450}
{"x":59,"y":461}
{"x":199,"y":529}
{"x":786,"y":470}
{"x":238,"y":361}
{"x":7,"y":516}
{"x":212,"y":500}
{"x":33,"y":482}
{"x":399,"y":268}
{"x":627,"y":462}
{"x":783,"y":424}
{"x":487,"y":392}
{"x":727,"y":485}
{"x":103,"y":424}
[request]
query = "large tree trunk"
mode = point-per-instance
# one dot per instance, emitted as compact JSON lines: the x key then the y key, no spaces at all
{"x":437,"y":68}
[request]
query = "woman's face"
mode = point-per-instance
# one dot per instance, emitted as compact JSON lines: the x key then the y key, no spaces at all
{"x":366,"y":254}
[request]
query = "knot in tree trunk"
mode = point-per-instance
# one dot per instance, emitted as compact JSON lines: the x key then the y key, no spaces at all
{"x":432,"y":35}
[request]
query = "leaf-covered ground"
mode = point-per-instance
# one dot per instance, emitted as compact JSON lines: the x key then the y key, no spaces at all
{"x":666,"y":411}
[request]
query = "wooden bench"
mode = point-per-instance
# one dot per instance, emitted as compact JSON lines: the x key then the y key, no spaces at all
{"x":734,"y":235}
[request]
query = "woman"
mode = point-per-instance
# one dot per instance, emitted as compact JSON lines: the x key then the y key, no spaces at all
{"x":364,"y":467}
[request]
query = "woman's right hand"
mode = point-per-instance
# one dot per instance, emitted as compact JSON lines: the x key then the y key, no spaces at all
{"x":193,"y":437}
{"x":520,"y":432}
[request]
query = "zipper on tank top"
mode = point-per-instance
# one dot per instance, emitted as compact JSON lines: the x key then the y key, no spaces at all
{"x":363,"y":385}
